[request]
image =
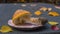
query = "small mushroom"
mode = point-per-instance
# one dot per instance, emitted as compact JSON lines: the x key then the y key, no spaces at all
{"x":43,"y":8}
{"x":38,"y":21}
{"x":49,"y":9}
{"x":43,"y":20}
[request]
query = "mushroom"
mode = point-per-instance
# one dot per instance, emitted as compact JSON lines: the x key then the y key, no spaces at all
{"x":20,"y":16}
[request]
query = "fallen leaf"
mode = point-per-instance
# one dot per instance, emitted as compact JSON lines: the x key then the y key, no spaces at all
{"x":53,"y":13}
{"x":38,"y":13}
{"x":53,"y":23}
{"x":5,"y":29}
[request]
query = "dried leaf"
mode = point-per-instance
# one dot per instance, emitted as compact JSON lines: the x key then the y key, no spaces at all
{"x":53,"y":23}
{"x":5,"y":29}
{"x":38,"y":13}
{"x":53,"y":14}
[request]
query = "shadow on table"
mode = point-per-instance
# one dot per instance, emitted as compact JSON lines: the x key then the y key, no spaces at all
{"x":32,"y":30}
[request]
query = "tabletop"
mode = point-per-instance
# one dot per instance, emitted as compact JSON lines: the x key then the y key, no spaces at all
{"x":7,"y":10}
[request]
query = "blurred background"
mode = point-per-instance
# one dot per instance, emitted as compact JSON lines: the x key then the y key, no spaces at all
{"x":55,"y":2}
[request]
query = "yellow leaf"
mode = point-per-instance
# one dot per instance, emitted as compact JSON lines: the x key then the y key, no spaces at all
{"x":5,"y":29}
{"x":53,"y":23}
{"x":54,"y":13}
{"x":38,"y":12}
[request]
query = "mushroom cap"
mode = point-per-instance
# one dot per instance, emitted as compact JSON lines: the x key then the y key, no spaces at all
{"x":20,"y":13}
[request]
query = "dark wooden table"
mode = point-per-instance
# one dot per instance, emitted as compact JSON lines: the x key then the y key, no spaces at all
{"x":7,"y":10}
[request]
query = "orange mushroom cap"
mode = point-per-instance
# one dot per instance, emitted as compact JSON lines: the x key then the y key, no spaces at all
{"x":20,"y":13}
